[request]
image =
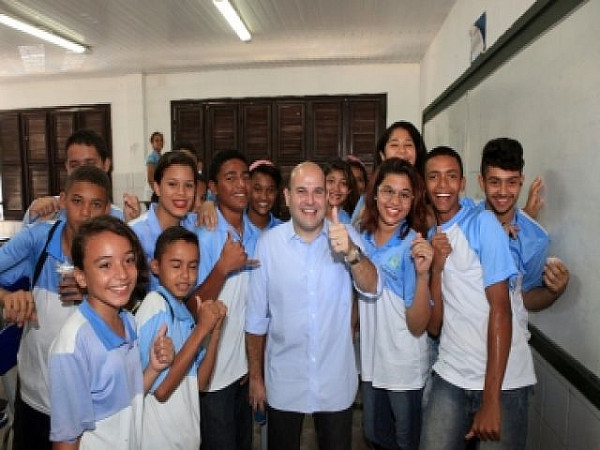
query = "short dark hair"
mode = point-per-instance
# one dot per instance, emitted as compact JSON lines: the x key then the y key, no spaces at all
{"x":91,"y":139}
{"x":445,"y":151}
{"x":156,"y":133}
{"x":171,"y":235}
{"x":174,"y":159}
{"x":97,"y":225}
{"x":221,"y":158}
{"x":504,"y":153}
{"x":416,"y":218}
{"x":269,"y":170}
{"x":90,"y":174}
{"x":420,"y":148}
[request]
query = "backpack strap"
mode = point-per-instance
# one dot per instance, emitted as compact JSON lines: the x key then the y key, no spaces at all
{"x":43,"y":256}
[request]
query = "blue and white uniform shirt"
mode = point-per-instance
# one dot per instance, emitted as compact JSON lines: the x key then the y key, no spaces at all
{"x":96,"y":383}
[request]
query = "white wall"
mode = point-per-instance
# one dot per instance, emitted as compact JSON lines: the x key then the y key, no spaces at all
{"x":399,"y":81}
{"x":140,"y":104}
{"x":448,"y":56}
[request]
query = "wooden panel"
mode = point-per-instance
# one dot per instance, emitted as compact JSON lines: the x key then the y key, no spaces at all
{"x":366,"y":122}
{"x":223,"y":128}
{"x":290,"y":132}
{"x":188,"y":125}
{"x":39,"y":181}
{"x":257,"y":131}
{"x":92,"y":119}
{"x":12,"y":190}
{"x":61,"y":176}
{"x":9,"y":138}
{"x":63,"y":125}
{"x":326,"y":130}
{"x":34,"y":136}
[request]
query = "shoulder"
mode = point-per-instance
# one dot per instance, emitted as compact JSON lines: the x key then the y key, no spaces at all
{"x":66,"y":340}
{"x":139,"y":222}
{"x":153,"y":304}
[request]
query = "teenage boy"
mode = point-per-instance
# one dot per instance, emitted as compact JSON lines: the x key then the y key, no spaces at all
{"x":172,"y":409}
{"x":35,"y":253}
{"x":542,"y":279}
{"x":477,"y":388}
{"x":84,"y":147}
{"x":226,"y":417}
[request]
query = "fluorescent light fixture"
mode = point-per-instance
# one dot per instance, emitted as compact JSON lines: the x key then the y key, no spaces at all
{"x":42,"y":34}
{"x":234,"y":20}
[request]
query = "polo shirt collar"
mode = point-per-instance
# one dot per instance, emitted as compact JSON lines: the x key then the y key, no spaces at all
{"x":180,"y":311}
{"x":291,"y":234}
{"x":108,"y":337}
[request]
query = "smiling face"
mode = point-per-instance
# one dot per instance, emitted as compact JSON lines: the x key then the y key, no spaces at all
{"x":232,"y":186}
{"x":444,"y":183}
{"x":109,"y":271}
{"x":177,"y":268}
{"x":176,"y":191}
{"x":306,"y":198}
{"x":263,"y":193}
{"x":336,"y":184}
{"x":400,"y":145}
{"x":394,"y":200}
{"x":502,"y":189}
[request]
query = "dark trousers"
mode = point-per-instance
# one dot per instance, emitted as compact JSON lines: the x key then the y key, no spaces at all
{"x":226,"y":418}
{"x":334,"y":429}
{"x":31,"y":428}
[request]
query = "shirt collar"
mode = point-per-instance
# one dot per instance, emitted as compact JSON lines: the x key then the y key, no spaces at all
{"x":180,"y":311}
{"x":54,"y":248}
{"x":108,"y":337}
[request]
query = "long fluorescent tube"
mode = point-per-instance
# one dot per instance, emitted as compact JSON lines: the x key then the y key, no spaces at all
{"x":234,"y":20}
{"x":39,"y":33}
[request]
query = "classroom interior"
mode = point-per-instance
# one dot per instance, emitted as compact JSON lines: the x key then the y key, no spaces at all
{"x":149,"y":64}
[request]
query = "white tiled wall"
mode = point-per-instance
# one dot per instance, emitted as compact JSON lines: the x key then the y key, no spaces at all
{"x":559,"y":416}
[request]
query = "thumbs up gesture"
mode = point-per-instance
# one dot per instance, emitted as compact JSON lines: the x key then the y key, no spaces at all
{"x":163,"y":351}
{"x":422,"y":254}
{"x":441,"y":249}
{"x":338,"y":234}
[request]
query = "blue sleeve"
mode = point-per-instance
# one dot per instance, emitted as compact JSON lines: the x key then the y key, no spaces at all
{"x":359,"y":206}
{"x":257,"y":305}
{"x":494,"y":252}
{"x":117,"y":212}
{"x":534,"y":268}
{"x":17,"y":256}
{"x":210,"y":252}
{"x":149,"y":318}
{"x":72,"y":410}
{"x":409,"y":277}
{"x":152,"y":158}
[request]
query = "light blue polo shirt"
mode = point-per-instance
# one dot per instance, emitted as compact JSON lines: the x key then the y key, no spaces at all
{"x":174,"y":423}
{"x":96,"y":383}
{"x":231,"y":362}
{"x":18,"y":258}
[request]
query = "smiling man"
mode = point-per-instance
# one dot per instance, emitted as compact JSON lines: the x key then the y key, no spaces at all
{"x":484,"y":361}
{"x":299,"y":305}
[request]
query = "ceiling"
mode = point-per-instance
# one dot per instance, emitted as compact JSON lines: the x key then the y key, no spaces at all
{"x":160,"y":36}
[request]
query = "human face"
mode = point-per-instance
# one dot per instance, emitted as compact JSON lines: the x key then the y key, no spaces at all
{"x":337,"y":188}
{"x":84,"y":155}
{"x":394,"y":199}
{"x":400,"y":145}
{"x":306,"y":200}
{"x":177,"y":268}
{"x":444,"y":184}
{"x":157,"y":143}
{"x":360,"y":179}
{"x":109,"y":272}
{"x":263,"y":193}
{"x":83,"y":201}
{"x":176,"y":191}
{"x":502,"y":189}
{"x":232,"y":186}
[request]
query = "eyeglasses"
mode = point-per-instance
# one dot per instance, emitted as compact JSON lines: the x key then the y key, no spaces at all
{"x":386,"y":194}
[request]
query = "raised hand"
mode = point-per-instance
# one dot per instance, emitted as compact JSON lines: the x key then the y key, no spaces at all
{"x":131,"y":207}
{"x":535,"y":202}
{"x":338,"y":234}
{"x":422,"y":254}
{"x":441,"y":249}
{"x":209,"y":314}
{"x":163,"y":350}
{"x":43,"y":208}
{"x":233,"y":256}
{"x":556,"y":275}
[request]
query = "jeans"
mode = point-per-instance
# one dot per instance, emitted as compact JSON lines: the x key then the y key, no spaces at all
{"x":226,"y":418}
{"x":391,"y":419}
{"x":333,"y":429}
{"x":449,"y":415}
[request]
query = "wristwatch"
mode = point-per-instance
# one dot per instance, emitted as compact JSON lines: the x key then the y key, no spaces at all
{"x":354,"y":256}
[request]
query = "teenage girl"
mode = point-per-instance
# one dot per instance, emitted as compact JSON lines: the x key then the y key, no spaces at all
{"x":341,"y":189}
